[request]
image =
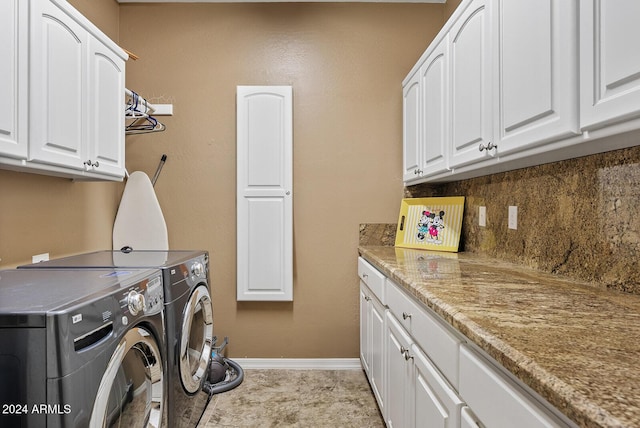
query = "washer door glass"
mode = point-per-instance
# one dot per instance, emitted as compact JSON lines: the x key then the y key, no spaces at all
{"x":131,"y":392}
{"x":196,"y":339}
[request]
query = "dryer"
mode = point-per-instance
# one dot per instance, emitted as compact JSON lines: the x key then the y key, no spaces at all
{"x":189,"y":316}
{"x":82,"y":348}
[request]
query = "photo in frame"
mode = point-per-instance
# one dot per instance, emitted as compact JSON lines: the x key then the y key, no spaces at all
{"x":430,"y":223}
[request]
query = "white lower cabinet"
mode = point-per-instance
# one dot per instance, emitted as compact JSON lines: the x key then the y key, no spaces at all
{"x":417,"y":394}
{"x":398,"y":375}
{"x":497,"y":400}
{"x":372,"y":328}
{"x":468,"y":419}
{"x":372,"y":341}
{"x":426,"y":374}
{"x":436,"y":404}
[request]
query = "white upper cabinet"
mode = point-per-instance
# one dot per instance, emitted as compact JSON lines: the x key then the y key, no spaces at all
{"x":522,"y":83}
{"x":471,"y":84}
{"x":426,"y":115}
{"x":534,"y":76}
{"x":62,"y":105}
{"x":434,"y":85}
{"x":412,"y":150}
{"x":609,"y":62}
{"x":106,"y":122}
{"x":13,"y":85}
{"x":58,"y":87}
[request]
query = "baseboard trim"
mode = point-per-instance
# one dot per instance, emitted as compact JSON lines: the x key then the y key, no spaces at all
{"x":300,"y":363}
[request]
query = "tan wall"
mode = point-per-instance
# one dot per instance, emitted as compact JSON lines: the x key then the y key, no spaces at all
{"x":44,"y":214}
{"x":450,"y":7}
{"x":346,"y":63}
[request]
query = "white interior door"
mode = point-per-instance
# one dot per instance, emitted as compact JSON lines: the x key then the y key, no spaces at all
{"x":264,"y":199}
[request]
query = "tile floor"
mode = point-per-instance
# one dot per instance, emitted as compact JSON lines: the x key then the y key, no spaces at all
{"x":296,"y":398}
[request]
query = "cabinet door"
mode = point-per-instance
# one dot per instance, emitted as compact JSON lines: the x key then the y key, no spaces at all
{"x":398,"y":377}
{"x":264,"y":201}
{"x":468,"y":419}
{"x":436,"y":404}
{"x":536,"y":69}
{"x":377,"y":343}
{"x":106,"y":100}
{"x":13,"y":85}
{"x":496,"y":400}
{"x":411,"y":129}
{"x":470,"y":51}
{"x":609,"y":61}
{"x":365,"y":329}
{"x":58,"y":87}
{"x":435,"y":109}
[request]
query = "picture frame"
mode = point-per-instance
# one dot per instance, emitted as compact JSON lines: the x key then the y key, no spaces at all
{"x":430,"y":223}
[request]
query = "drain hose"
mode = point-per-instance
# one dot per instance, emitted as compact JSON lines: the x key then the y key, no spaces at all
{"x":227,"y":385}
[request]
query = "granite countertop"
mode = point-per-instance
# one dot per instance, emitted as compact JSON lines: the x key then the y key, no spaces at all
{"x":575,"y":344}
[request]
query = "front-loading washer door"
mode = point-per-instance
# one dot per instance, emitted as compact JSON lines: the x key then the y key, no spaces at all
{"x":196,"y":339}
{"x":131,"y":392}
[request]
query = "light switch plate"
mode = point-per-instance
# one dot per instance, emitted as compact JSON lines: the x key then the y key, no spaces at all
{"x":513,"y":217}
{"x":482,"y":216}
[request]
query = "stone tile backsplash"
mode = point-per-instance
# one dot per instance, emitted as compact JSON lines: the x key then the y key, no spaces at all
{"x":578,"y":218}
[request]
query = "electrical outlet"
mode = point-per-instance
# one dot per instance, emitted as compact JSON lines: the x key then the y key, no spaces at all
{"x":482,"y":216}
{"x":513,"y":217}
{"x":40,"y":258}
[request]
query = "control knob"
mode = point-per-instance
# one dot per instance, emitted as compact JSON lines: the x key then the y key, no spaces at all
{"x":135,"y":301}
{"x":197,"y":269}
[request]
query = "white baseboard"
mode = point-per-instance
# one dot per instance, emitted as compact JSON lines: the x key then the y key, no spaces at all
{"x":300,"y":363}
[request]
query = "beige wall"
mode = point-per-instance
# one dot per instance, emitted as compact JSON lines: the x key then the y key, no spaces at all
{"x":346,"y":63}
{"x":44,"y":214}
{"x":450,"y":7}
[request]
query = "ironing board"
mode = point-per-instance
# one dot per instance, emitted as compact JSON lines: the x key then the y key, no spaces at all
{"x":139,"y":223}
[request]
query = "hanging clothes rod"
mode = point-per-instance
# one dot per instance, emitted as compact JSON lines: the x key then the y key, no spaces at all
{"x":156,"y":109}
{"x":138,"y":111}
{"x":137,"y":104}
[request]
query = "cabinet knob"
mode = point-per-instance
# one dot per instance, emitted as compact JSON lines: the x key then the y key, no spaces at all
{"x":365,"y":276}
{"x":367,"y":298}
{"x":405,"y":353}
{"x":405,"y":315}
{"x":487,"y":147}
{"x":89,"y":163}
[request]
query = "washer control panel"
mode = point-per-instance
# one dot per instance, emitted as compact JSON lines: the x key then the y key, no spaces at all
{"x":154,"y":295}
{"x":146,"y":298}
